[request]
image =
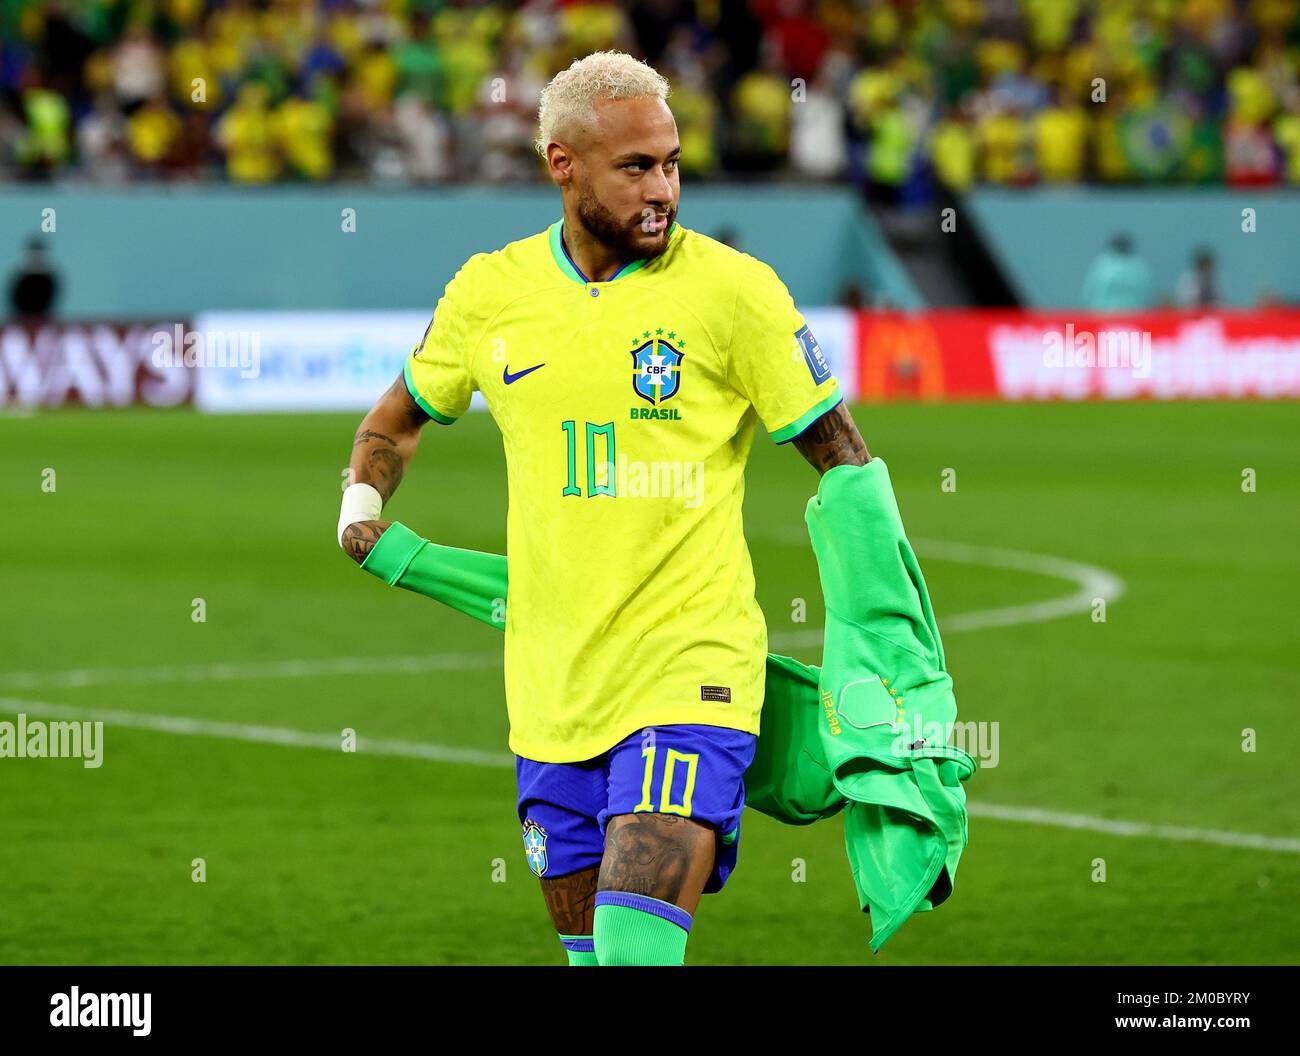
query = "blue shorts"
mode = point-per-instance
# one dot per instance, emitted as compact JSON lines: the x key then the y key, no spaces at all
{"x":693,"y":771}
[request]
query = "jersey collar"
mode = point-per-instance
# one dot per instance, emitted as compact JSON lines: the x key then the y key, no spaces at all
{"x":571,"y":270}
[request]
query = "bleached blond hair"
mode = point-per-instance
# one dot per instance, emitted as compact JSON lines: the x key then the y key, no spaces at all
{"x":572,"y":93}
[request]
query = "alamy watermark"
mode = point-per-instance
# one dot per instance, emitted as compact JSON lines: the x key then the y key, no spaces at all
{"x":639,"y":479}
{"x":979,"y":739}
{"x":75,"y":1009}
{"x":37,"y":739}
{"x":1113,"y":349}
{"x":211,"y":349}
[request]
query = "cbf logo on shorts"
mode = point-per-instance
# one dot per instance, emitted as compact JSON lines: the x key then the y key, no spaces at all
{"x":656,"y":367}
{"x":813,"y":355}
{"x":535,"y":847}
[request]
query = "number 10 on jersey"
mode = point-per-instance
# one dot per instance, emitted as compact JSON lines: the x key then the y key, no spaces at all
{"x":605,"y":465}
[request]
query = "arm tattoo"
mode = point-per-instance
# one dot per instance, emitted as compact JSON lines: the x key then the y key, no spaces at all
{"x":360,"y":537}
{"x":385,"y":470}
{"x":369,"y":434}
{"x":378,"y":460}
{"x":833,"y":440}
{"x":414,"y":413}
{"x":571,"y":900}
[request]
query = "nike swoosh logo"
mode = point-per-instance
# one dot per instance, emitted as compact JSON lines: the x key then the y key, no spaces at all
{"x":510,"y":379}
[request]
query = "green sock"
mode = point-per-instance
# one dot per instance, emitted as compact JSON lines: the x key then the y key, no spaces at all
{"x":636,"y":929}
{"x":581,"y":951}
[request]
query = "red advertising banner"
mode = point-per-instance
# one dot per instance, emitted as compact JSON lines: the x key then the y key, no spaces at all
{"x":97,"y":364}
{"x":1015,"y":355}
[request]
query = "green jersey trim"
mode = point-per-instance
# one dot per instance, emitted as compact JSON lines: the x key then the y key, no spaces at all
{"x":425,"y":405}
{"x":561,"y":257}
{"x":565,"y":263}
{"x":788,"y":432}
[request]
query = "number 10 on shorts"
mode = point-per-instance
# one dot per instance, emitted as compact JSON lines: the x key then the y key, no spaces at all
{"x":666,"y":806}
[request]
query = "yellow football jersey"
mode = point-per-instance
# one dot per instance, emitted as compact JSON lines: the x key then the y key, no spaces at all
{"x":627,"y":410}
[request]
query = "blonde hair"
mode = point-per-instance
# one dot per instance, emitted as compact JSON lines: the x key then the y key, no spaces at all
{"x":570,"y":96}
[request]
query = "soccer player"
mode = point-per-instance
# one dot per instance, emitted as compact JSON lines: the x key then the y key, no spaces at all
{"x":627,"y":361}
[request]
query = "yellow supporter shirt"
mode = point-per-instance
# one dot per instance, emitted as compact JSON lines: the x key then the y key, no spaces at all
{"x":1059,"y":137}
{"x":627,"y":409}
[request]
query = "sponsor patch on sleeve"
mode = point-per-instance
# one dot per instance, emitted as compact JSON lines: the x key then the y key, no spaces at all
{"x":813,"y":354}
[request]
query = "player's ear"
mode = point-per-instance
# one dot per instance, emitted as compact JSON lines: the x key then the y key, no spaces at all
{"x":559,"y":161}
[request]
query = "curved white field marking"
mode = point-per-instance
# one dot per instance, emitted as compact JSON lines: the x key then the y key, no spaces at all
{"x":1091,"y":582}
{"x":291,"y":738}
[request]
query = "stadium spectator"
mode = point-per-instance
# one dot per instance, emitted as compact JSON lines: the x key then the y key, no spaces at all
{"x":153,"y":134}
{"x":425,"y":139}
{"x":1118,"y":280}
{"x":247,"y":136}
{"x":44,"y":145}
{"x":953,"y":150}
{"x":507,"y":114}
{"x":1198,"y":286}
{"x":304,"y":130}
{"x":101,"y":141}
{"x":883,"y":117}
{"x":1060,"y":135}
{"x":817,"y":142}
{"x":760,"y":108}
{"x":34,"y":287}
{"x":694,"y":107}
{"x":137,"y":65}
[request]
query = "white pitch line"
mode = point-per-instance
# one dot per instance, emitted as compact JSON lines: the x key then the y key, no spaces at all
{"x":1092,"y":583}
{"x":1114,"y":827}
{"x":234,"y":671}
{"x":238,"y":731}
{"x":290,"y":738}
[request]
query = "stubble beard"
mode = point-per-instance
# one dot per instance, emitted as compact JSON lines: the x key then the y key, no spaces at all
{"x":616,"y":235}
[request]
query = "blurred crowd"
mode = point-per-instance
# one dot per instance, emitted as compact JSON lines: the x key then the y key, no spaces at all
{"x":902,"y":97}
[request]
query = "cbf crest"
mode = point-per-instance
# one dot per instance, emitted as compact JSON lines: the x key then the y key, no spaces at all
{"x":657,"y":365}
{"x":535,"y":847}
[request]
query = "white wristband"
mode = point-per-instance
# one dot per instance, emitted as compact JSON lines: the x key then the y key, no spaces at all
{"x":361,"y":502}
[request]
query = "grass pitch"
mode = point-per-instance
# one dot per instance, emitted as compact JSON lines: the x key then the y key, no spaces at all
{"x":319,"y":856}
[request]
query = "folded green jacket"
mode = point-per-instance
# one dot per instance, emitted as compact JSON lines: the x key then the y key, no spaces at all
{"x":831,"y":737}
{"x":884,"y":682}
